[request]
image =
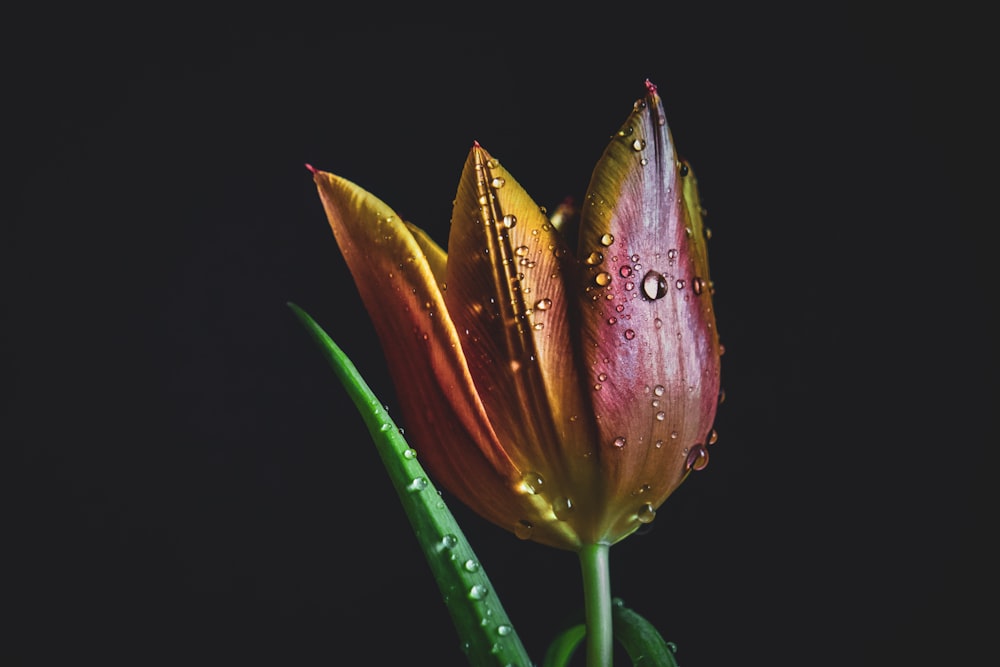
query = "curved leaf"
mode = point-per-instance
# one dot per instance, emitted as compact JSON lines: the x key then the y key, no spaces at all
{"x":487,"y":635}
{"x":641,"y":640}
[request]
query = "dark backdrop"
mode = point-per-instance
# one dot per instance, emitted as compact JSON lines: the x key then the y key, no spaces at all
{"x":191,"y":484}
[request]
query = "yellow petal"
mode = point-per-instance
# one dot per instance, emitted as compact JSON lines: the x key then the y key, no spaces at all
{"x":507,"y":269}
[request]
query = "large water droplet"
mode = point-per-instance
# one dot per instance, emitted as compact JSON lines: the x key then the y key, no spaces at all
{"x":478,"y":592}
{"x":607,"y":239}
{"x":594,"y":258}
{"x":697,"y":284}
{"x":471,"y":566}
{"x":625,"y":271}
{"x":417,"y":485}
{"x":509,"y":220}
{"x":503,"y":630}
{"x":697,"y":458}
{"x":543,"y":304}
{"x":661,"y":415}
{"x":654,"y":285}
{"x":602,"y":279}
{"x":646,"y":513}
{"x":498,"y":182}
{"x":629,"y":334}
{"x":659,"y":390}
{"x":409,"y":454}
{"x":619,"y":442}
{"x":680,"y":283}
{"x":449,"y":541}
{"x":638,"y":144}
{"x":531,"y":482}
{"x":521,"y":251}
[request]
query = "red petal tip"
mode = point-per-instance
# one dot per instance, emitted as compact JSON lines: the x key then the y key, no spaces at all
{"x":650,"y":87}
{"x":475,"y":144}
{"x":311,"y":168}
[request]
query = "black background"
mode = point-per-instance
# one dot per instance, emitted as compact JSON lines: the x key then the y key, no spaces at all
{"x":191,"y":484}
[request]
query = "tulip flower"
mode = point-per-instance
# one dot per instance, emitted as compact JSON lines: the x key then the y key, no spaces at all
{"x":562,"y":395}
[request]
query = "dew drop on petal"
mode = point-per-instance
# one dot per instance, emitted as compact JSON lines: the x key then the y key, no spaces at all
{"x":619,"y":442}
{"x":498,"y":182}
{"x":629,"y":334}
{"x":654,"y":285}
{"x":602,"y":279}
{"x":697,"y":284}
{"x":562,"y":507}
{"x":659,"y":390}
{"x":680,"y":283}
{"x":659,"y":444}
{"x":661,"y":415}
{"x":625,"y":271}
{"x":521,"y":251}
{"x":532,"y":482}
{"x":594,"y":258}
{"x":602,"y":377}
{"x":697,"y":458}
{"x":646,"y":513}
{"x":672,"y":254}
{"x":523,"y":529}
{"x":607,"y":239}
{"x":543,"y":304}
{"x":713,"y":437}
{"x":509,"y":220}
{"x":638,"y":144}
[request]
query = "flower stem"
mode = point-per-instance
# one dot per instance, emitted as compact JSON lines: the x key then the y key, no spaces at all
{"x":597,"y":604}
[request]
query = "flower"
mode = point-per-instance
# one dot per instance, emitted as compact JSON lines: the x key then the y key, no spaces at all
{"x":561,"y":395}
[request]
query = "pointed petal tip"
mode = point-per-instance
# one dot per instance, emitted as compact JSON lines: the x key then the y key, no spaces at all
{"x":650,"y":87}
{"x":311,"y":168}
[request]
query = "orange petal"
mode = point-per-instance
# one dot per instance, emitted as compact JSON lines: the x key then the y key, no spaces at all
{"x":648,"y":323}
{"x":398,"y":271}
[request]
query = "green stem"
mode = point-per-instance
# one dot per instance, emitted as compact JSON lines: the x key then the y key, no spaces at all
{"x":597,"y":604}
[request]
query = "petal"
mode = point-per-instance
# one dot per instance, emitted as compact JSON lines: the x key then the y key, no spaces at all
{"x":397,"y":269}
{"x":648,"y":323}
{"x":507,"y":294}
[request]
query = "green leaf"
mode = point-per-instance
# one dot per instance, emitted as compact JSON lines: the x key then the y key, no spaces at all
{"x":641,"y":640}
{"x":487,"y":635}
{"x":563,"y":647}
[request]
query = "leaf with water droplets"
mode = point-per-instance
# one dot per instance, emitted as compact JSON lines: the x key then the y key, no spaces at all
{"x":451,"y":558}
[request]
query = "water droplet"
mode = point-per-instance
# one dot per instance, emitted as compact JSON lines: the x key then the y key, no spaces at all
{"x":503,"y":630}
{"x":659,"y":444}
{"x":641,"y":490}
{"x":626,"y":131}
{"x":674,"y":435}
{"x":471,"y":566}
{"x":602,"y":377}
{"x":418,"y":484}
{"x":697,"y":458}
{"x":654,"y":285}
{"x":538,"y":326}
{"x":602,"y":279}
{"x":385,"y":427}
{"x":629,"y":285}
{"x":713,"y":437}
{"x":409,"y":454}
{"x":478,"y":592}
{"x":531,"y":482}
{"x":521,"y":251}
{"x":523,"y":529}
{"x":684,"y":169}
{"x":607,"y":239}
{"x":646,"y":513}
{"x":697,"y":284}
{"x":543,"y":304}
{"x":659,"y":390}
{"x":672,"y":646}
{"x":562,"y":507}
{"x":509,"y":220}
{"x":497,"y":182}
{"x":612,"y":320}
{"x":680,"y":283}
{"x":619,"y":308}
{"x":672,"y":254}
{"x":661,"y":415}
{"x":625,"y":271}
{"x":638,"y":144}
{"x":619,"y":442}
{"x":629,"y":334}
{"x":594,"y":258}
{"x":449,"y":541}
{"x":657,"y":323}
